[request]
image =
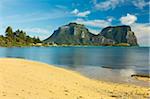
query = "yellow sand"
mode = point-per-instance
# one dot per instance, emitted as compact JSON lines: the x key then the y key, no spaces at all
{"x":22,"y":79}
{"x":143,"y":78}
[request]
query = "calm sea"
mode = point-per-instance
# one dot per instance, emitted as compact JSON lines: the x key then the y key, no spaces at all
{"x":107,"y":63}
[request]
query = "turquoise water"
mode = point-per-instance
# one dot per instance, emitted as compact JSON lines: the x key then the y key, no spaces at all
{"x":87,"y":59}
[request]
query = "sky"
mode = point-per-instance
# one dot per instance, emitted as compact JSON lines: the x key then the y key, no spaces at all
{"x":42,"y":17}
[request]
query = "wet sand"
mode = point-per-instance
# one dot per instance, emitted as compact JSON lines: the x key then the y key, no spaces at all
{"x":113,"y":75}
{"x":24,"y":79}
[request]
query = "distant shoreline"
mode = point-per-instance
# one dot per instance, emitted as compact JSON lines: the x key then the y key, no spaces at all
{"x":29,"y":79}
{"x":73,"y":46}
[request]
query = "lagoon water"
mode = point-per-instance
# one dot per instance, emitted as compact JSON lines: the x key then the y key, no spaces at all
{"x":106,"y":63}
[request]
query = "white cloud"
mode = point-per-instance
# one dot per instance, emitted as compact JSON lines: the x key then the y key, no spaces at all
{"x":94,"y":23}
{"x":76,"y":12}
{"x":108,"y":4}
{"x":36,"y":16}
{"x":142,"y":32}
{"x":94,"y":31}
{"x":128,"y":20}
{"x":40,"y":32}
{"x":110,"y":18}
{"x":36,"y":30}
{"x":111,"y":4}
{"x":83,"y":14}
{"x":140,"y":3}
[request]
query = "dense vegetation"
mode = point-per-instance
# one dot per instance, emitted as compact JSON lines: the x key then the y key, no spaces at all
{"x":17,"y":38}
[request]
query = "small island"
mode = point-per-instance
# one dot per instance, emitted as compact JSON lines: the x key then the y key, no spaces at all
{"x":78,"y":34}
{"x":72,"y":34}
{"x":74,"y":49}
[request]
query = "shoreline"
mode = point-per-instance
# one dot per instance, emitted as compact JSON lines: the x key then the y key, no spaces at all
{"x":75,"y":46}
{"x":113,"y":76}
{"x":141,"y":77}
{"x":25,"y":79}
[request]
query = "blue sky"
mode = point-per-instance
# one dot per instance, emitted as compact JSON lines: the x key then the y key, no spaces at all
{"x":42,"y":17}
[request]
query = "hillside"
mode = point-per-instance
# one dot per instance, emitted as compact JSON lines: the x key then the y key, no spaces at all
{"x":78,"y":34}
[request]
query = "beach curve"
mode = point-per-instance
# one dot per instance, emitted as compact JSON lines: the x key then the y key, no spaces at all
{"x":24,"y":79}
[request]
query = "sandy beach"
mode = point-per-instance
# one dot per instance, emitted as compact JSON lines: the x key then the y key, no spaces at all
{"x":24,"y":79}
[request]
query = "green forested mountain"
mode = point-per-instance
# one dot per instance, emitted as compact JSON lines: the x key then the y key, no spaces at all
{"x":17,"y":38}
{"x":78,"y":34}
{"x":73,"y":34}
{"x":120,"y":34}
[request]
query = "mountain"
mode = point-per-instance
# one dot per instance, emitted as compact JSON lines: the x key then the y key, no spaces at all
{"x":72,"y":33}
{"x":120,"y":34}
{"x":78,"y":34}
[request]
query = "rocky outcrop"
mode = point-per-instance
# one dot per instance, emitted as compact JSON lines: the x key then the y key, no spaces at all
{"x":70,"y":34}
{"x":120,"y":34}
{"x":131,"y":38}
{"x":74,"y":33}
{"x":99,"y":39}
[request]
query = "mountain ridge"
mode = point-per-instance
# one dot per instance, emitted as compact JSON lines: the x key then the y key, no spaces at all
{"x":78,"y":34}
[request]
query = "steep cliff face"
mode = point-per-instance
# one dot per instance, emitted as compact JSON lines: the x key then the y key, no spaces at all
{"x":74,"y":33}
{"x":117,"y":33}
{"x":120,"y":34}
{"x":99,"y":39}
{"x":131,"y":38}
{"x":70,"y":34}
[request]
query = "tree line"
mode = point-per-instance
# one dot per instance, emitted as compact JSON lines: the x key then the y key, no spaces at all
{"x":17,"y":38}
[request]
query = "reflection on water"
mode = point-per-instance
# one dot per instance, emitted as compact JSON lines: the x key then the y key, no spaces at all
{"x":113,"y":75}
{"x":88,"y":60}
